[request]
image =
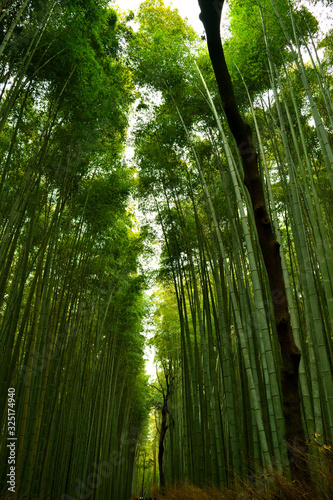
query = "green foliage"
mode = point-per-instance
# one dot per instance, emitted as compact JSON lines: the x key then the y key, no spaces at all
{"x":103,"y":198}
{"x":166,"y":319}
{"x":160,"y":49}
{"x":71,"y":294}
{"x":245,"y":49}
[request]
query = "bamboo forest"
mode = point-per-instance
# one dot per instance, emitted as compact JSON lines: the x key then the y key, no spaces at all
{"x":166,"y":250}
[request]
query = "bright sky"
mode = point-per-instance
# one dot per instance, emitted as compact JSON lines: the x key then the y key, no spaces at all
{"x":187,"y":8}
{"x":191,"y":10}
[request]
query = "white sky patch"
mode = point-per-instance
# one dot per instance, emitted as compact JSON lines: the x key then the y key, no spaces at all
{"x":190,"y":9}
{"x":187,"y":8}
{"x":149,"y":359}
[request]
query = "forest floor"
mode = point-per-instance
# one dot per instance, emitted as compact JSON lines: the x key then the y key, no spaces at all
{"x":273,"y":486}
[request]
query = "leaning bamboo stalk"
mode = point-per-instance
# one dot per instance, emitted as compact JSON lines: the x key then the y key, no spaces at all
{"x":298,"y":59}
{"x":294,"y":320}
{"x":303,"y":379}
{"x":307,"y":347}
{"x":12,"y":27}
{"x":321,"y":238}
{"x":266,"y":456}
{"x":313,"y":305}
{"x":211,"y":16}
{"x":267,"y":355}
{"x":19,"y":78}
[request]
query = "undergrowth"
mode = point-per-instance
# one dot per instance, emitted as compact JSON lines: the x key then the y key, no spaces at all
{"x":263,"y":485}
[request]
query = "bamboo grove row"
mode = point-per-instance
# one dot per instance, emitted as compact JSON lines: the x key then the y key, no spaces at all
{"x":225,"y":413}
{"x":71,"y":296}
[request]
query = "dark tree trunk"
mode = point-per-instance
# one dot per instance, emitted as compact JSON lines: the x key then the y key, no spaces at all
{"x":211,"y":17}
{"x":164,"y":428}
